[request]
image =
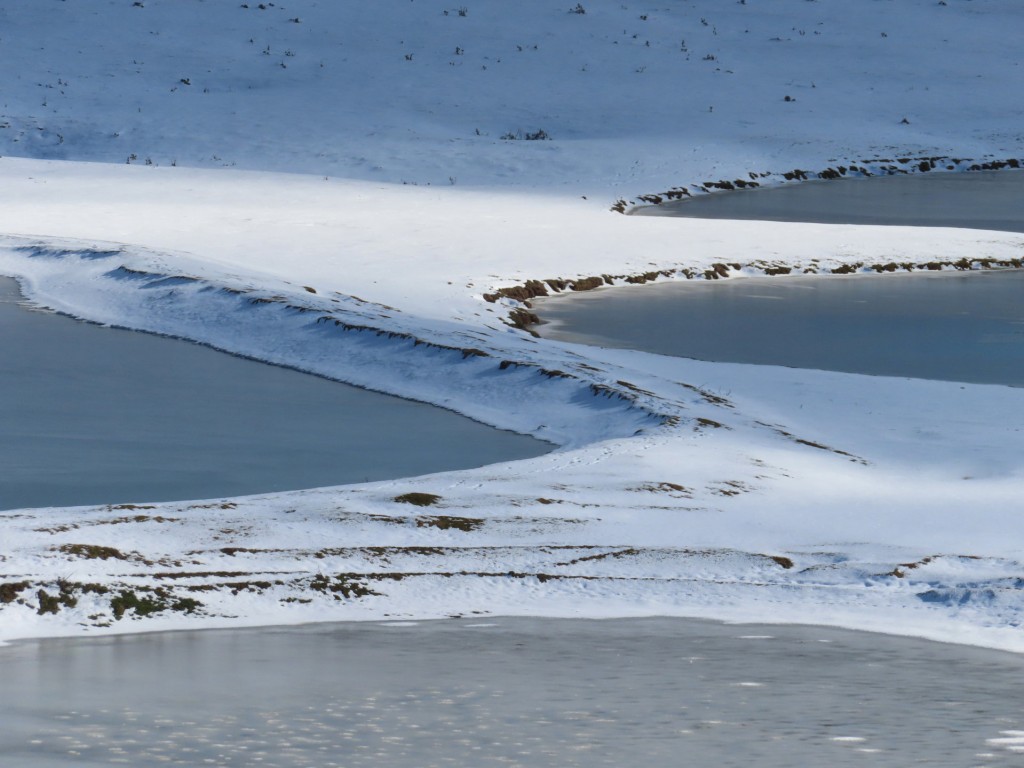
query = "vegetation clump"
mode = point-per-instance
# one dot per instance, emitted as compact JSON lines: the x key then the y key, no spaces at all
{"x":447,"y":522}
{"x":418,"y":499}
{"x":703,"y":422}
{"x":529,"y":290}
{"x":846,"y":269}
{"x":52,"y":603}
{"x":10,"y":590}
{"x":155,"y":602}
{"x":665,"y":487}
{"x":93,"y":552}
{"x":342,"y":586}
{"x":539,"y":135}
{"x":523,"y":319}
{"x":588,"y":283}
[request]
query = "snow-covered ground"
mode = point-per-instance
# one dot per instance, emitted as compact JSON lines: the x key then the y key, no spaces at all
{"x":370,"y":202}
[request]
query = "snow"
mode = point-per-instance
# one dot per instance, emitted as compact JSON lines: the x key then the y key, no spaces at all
{"x":381,"y":183}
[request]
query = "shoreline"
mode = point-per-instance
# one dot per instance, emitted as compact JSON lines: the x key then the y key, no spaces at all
{"x":1013,"y":649}
{"x":856,"y":169}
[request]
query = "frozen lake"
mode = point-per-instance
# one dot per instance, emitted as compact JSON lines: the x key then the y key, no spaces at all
{"x":510,"y":692}
{"x":952,"y":326}
{"x":93,"y":415}
{"x":975,"y":200}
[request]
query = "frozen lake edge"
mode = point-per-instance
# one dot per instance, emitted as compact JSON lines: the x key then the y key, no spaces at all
{"x":492,"y":687}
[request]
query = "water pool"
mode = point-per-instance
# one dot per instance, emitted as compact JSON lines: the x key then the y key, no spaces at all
{"x":510,"y":692}
{"x":94,"y":415}
{"x":953,"y":326}
{"x":975,"y":200}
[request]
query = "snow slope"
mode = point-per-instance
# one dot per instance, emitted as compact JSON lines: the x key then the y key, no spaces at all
{"x":369,"y":205}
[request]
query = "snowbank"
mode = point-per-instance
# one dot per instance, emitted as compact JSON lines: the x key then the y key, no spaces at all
{"x":681,"y":488}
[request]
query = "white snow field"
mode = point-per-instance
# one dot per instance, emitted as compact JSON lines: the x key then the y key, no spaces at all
{"x":328,"y":185}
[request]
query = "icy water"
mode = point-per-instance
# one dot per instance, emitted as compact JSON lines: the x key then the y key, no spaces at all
{"x":949,"y":326}
{"x":976,"y":200}
{"x":510,"y":692}
{"x":92,"y":415}
{"x":953,"y":326}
